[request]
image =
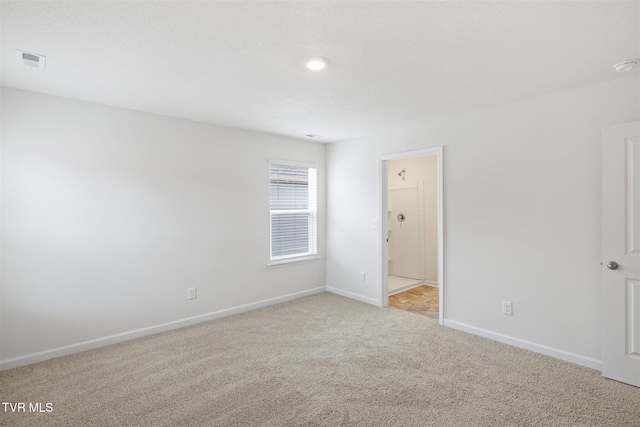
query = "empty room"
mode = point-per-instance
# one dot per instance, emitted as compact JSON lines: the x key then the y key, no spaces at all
{"x":357,"y":213}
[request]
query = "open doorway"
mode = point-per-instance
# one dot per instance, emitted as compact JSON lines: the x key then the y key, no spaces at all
{"x":412,"y":232}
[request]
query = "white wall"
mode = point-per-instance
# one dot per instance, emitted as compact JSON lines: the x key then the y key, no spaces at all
{"x":423,"y":169}
{"x":522,"y":213}
{"x":109,"y":215}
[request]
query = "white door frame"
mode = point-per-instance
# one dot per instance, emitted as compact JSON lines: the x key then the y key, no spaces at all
{"x":383,"y":255}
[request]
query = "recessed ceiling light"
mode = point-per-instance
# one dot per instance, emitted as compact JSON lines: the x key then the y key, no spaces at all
{"x":317,"y":63}
{"x":627,"y":65}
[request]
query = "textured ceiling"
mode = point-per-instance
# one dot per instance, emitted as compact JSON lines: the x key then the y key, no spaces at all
{"x":241,"y":64}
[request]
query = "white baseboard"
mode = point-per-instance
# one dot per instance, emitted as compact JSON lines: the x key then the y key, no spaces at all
{"x":413,"y":285}
{"x":405,"y":288}
{"x":125,"y":336}
{"x":527,"y":345}
{"x":351,"y":295}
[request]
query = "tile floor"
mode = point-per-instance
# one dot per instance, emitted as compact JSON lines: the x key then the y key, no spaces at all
{"x":422,"y":300}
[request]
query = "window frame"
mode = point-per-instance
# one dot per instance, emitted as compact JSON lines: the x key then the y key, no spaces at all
{"x":311,"y":210}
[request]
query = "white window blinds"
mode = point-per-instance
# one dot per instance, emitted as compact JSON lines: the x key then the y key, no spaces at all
{"x":293,"y":209}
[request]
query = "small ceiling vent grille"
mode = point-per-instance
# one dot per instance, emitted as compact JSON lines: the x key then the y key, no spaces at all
{"x":30,"y":60}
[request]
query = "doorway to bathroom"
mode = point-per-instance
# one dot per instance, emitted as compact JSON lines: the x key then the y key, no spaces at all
{"x":412,"y":232}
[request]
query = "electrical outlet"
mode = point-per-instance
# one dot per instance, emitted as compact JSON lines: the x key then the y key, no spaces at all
{"x":192,"y":293}
{"x":507,"y":308}
{"x":362,"y":276}
{"x":374,"y":223}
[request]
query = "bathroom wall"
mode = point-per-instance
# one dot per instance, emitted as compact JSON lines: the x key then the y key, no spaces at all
{"x":423,"y":169}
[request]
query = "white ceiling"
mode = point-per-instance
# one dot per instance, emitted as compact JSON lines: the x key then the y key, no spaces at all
{"x":241,"y":64}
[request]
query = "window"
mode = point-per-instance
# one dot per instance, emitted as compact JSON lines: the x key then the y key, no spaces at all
{"x":293,"y":210}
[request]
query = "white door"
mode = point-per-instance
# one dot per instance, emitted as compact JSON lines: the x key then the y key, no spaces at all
{"x":621,"y":252}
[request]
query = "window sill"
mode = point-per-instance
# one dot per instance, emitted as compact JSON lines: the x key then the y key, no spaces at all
{"x":289,"y":261}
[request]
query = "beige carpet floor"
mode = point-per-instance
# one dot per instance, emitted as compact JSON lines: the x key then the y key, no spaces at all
{"x":322,"y":360}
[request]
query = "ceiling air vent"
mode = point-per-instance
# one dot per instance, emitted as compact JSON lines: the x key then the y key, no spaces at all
{"x":31,"y":60}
